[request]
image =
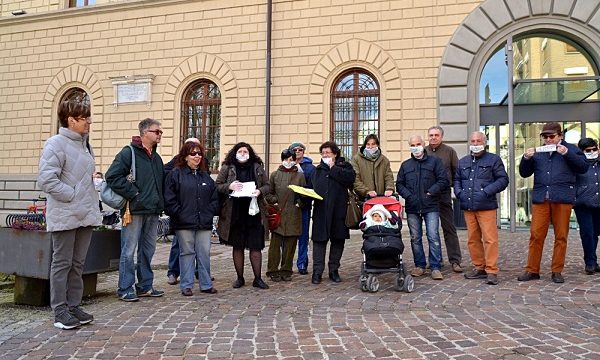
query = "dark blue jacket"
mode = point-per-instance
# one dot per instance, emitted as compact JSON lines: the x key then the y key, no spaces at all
{"x":191,"y":199}
{"x":418,"y":177}
{"x":477,"y":181}
{"x":554,"y":174}
{"x":588,"y":186}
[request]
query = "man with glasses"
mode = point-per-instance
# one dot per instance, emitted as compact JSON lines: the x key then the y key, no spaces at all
{"x":306,"y":166}
{"x":145,"y":198}
{"x":554,"y":166}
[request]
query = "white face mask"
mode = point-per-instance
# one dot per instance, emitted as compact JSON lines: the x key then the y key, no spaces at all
{"x":476,"y":149}
{"x":327,"y":160}
{"x":372,"y":150}
{"x":97,"y":183}
{"x":288,"y":164}
{"x":242,"y":157}
{"x":416,"y":150}
{"x":591,"y":155}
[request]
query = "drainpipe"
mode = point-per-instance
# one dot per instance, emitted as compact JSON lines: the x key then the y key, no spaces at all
{"x":268,"y":88}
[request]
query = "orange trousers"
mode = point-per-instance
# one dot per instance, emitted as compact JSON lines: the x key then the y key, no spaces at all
{"x":483,"y":239}
{"x":542,"y":215}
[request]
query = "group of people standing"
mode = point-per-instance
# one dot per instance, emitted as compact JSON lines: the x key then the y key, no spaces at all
{"x":184,"y":190}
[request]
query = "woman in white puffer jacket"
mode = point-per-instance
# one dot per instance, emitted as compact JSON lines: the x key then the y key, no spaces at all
{"x":65,"y":173}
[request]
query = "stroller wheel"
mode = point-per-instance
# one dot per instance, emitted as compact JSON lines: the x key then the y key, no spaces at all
{"x":372,"y":283}
{"x":409,"y":284}
{"x":362,"y":282}
{"x":399,"y":283}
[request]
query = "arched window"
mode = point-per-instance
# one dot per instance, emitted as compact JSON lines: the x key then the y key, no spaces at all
{"x":201,"y":118}
{"x":74,"y":93}
{"x":354,"y":110}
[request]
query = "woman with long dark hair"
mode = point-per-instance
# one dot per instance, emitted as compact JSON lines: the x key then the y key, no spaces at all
{"x":236,"y":227}
{"x":191,"y":201}
{"x":374,"y":174}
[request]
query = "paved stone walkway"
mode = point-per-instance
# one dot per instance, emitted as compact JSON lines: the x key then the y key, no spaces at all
{"x":453,"y":318}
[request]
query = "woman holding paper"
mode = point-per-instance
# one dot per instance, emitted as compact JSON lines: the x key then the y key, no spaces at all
{"x":241,"y":169}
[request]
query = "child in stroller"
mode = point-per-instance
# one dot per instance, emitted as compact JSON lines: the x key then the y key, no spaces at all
{"x":382,"y":245}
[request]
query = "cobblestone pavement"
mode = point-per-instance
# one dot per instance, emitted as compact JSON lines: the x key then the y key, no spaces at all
{"x":453,"y":318}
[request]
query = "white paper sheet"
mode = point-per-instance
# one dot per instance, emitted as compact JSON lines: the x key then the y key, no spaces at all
{"x":545,"y":148}
{"x":247,"y":190}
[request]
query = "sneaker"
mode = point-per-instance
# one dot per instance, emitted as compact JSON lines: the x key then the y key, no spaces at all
{"x":526,"y":276}
{"x":476,"y":274}
{"x":557,"y":278}
{"x":63,"y":319}
{"x":172,"y":280}
{"x":457,"y":268}
{"x":82,"y":316}
{"x":437,"y":275}
{"x":492,"y":279}
{"x":416,"y":272}
{"x":151,"y":293}
{"x":129,"y":297}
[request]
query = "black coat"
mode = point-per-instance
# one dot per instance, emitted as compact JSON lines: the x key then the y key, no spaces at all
{"x":588,"y":186}
{"x":329,"y":214}
{"x":191,"y":199}
{"x":420,"y":182}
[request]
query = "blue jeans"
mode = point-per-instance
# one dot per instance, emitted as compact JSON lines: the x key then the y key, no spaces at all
{"x":302,"y":261}
{"x":194,"y":248}
{"x":174,"y":258}
{"x":589,"y":230}
{"x":432,"y":224}
{"x":140,"y":234}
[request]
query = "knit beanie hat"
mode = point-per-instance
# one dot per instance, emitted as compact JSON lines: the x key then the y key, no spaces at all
{"x":297,"y":144}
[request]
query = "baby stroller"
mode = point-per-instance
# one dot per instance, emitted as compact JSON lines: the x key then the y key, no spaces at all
{"x":382,"y":247}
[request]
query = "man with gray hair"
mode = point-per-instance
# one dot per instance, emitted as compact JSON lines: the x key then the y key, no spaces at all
{"x":480,"y":176}
{"x":145,"y":198}
{"x":421,"y":180}
{"x":449,"y":158}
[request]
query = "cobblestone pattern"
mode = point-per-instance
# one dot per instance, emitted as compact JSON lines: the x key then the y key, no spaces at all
{"x":453,"y":318}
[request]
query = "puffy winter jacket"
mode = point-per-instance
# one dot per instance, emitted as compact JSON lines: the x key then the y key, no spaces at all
{"x":191,"y":199}
{"x":419,"y":177}
{"x":65,"y":174}
{"x":588,"y":186}
{"x":477,"y":181}
{"x":554,"y":174}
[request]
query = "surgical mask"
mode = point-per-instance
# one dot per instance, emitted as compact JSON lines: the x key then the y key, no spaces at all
{"x":371,"y":151}
{"x":242,"y":157}
{"x":476,"y":149}
{"x":97,"y":183}
{"x":416,"y":150}
{"x":591,"y":155}
{"x":327,"y":160}
{"x":288,"y":164}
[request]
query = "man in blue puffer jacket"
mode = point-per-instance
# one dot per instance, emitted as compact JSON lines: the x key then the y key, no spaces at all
{"x":479,"y":177}
{"x":554,"y":168}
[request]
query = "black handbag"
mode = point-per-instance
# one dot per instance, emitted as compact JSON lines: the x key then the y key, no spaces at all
{"x":353,"y":210}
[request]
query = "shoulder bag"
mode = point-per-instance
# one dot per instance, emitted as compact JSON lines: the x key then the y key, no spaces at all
{"x":353,"y":210}
{"x":111,"y":198}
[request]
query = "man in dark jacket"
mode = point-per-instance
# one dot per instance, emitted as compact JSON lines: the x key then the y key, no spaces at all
{"x":479,"y":177}
{"x":332,"y":179}
{"x":145,"y":197}
{"x":305,"y":166}
{"x":420,"y":182}
{"x":447,"y":154}
{"x":554,"y":167}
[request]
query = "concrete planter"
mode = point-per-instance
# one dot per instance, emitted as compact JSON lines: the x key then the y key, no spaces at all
{"x":28,"y":255}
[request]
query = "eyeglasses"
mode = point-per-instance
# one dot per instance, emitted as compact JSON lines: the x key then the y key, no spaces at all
{"x":551,"y":136}
{"x":298,"y":149}
{"x":82,"y":118}
{"x":157,"y":132}
{"x":589,"y":150}
{"x":196,"y":153}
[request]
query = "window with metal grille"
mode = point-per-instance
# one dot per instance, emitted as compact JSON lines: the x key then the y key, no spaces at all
{"x":354,"y":110}
{"x":80,"y":3}
{"x":74,"y":94}
{"x":201,"y":118}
